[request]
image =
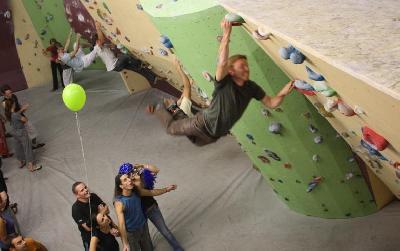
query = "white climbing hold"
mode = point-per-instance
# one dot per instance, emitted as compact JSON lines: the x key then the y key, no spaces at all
{"x":265,"y":112}
{"x":316,"y":158}
{"x":275,"y":127}
{"x":358,"y":110}
{"x":331,"y":104}
{"x":318,"y":139}
{"x":257,"y":35}
{"x":81,"y":18}
{"x":349,"y":176}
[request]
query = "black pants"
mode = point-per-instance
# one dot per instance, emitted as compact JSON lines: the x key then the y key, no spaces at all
{"x":127,"y":62}
{"x":54,"y":67}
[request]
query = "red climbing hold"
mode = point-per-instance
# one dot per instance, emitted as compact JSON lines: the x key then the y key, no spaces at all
{"x":379,"y":142}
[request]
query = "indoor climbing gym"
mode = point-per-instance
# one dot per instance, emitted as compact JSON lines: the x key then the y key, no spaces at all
{"x":199,"y":125}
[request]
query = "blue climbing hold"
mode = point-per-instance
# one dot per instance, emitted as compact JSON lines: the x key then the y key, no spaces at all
{"x":303,"y":85}
{"x":285,"y":52}
{"x":18,"y":41}
{"x":297,"y":57}
{"x":313,"y":75}
{"x":371,"y":150}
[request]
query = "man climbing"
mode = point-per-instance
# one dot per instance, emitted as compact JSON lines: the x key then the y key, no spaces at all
{"x":77,"y":60}
{"x":108,"y":57}
{"x":232,"y":94}
{"x":183,"y":106}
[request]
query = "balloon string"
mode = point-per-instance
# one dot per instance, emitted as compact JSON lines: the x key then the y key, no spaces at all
{"x":78,"y":126}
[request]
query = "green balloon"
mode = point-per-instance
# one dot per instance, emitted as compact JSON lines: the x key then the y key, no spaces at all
{"x":74,"y":97}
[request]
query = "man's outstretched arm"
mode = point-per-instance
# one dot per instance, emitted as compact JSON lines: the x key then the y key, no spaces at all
{"x":186,"y":82}
{"x":100,"y":35}
{"x":273,"y":102}
{"x":223,"y":53}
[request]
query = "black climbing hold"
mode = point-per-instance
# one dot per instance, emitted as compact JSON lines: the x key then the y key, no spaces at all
{"x":278,"y":109}
{"x":326,"y":210}
{"x":286,"y":198}
{"x":280,"y":181}
{"x":312,"y":128}
{"x":275,"y":191}
{"x":322,"y":205}
{"x":348,"y":215}
{"x":271,"y":179}
{"x":362,"y":202}
{"x":298,"y":181}
{"x":272,"y":155}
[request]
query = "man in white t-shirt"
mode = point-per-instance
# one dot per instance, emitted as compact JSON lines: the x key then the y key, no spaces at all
{"x":112,"y":62}
{"x":77,"y":59}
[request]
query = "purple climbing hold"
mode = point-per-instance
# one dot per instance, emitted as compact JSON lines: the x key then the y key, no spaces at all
{"x":18,"y":41}
{"x":371,"y":150}
{"x":163,"y":52}
{"x":313,"y":184}
{"x":297,"y":57}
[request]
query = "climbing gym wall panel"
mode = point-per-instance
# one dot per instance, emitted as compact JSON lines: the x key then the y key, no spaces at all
{"x":10,"y":67}
{"x":311,"y":169}
{"x":36,"y":68}
{"x":355,"y":85}
{"x":49,"y":20}
{"x":127,"y":25}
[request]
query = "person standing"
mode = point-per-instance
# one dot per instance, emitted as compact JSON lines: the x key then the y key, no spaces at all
{"x":81,"y":210}
{"x":23,"y":145}
{"x":54,"y":63}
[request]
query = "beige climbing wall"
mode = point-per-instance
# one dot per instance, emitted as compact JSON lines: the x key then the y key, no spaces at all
{"x":134,"y":82}
{"x":132,"y":28}
{"x":381,"y":113}
{"x":35,"y":66}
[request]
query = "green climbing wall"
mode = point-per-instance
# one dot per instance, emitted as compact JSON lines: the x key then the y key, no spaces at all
{"x":49,"y":20}
{"x":194,"y":35}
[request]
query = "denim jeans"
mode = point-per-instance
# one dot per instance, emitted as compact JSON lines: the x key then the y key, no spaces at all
{"x":155,"y":216}
{"x":139,"y":240}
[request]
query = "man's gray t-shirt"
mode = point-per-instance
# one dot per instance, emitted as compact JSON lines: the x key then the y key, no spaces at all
{"x":228,"y":104}
{"x":75,"y":63}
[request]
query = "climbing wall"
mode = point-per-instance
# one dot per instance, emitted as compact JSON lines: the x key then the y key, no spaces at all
{"x":127,"y":26}
{"x":49,"y":20}
{"x":309,"y":165}
{"x":362,"y":104}
{"x":36,"y":68}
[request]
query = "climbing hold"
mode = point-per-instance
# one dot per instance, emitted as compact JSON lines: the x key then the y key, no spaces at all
{"x":27,"y":36}
{"x":358,"y":110}
{"x":234,"y":19}
{"x":371,"y":150}
{"x":285,"y":52}
{"x":297,"y":57}
{"x":287,"y":165}
{"x":166,"y":42}
{"x":328,"y":93}
{"x":106,"y":7}
{"x":265,"y":112}
{"x":314,"y":183}
{"x":38,"y":69}
{"x":18,"y":41}
{"x":312,"y":128}
{"x":256,"y":34}
{"x":330,"y":104}
{"x":159,"y":6}
{"x":250,"y":137}
{"x":316,"y":158}
{"x":275,"y":127}
{"x":278,"y":109}
{"x":117,"y":31}
{"x":307,"y":115}
{"x":303,"y":85}
{"x":349,"y":176}
{"x":351,"y":159}
{"x":313,"y":75}
{"x":322,"y":110}
{"x":263,"y":159}
{"x":345,"y":135}
{"x":163,"y":52}
{"x":377,"y":141}
{"x":345,"y":109}
{"x":207,"y":76}
{"x":7,"y":14}
{"x":127,"y":39}
{"x":272,"y":155}
{"x":43,"y":32}
{"x":139,"y":6}
{"x":318,"y":139}
{"x":219,"y":38}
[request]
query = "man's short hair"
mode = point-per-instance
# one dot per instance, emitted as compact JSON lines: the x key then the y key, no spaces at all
{"x":5,"y":88}
{"x":234,"y":58}
{"x":75,"y":185}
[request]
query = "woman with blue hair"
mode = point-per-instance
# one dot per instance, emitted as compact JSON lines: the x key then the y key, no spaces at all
{"x":144,"y":178}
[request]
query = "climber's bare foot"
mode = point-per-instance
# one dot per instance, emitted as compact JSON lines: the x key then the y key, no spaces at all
{"x":150,"y":109}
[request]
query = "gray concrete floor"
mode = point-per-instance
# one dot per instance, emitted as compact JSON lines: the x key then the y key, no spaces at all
{"x":221,"y":202}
